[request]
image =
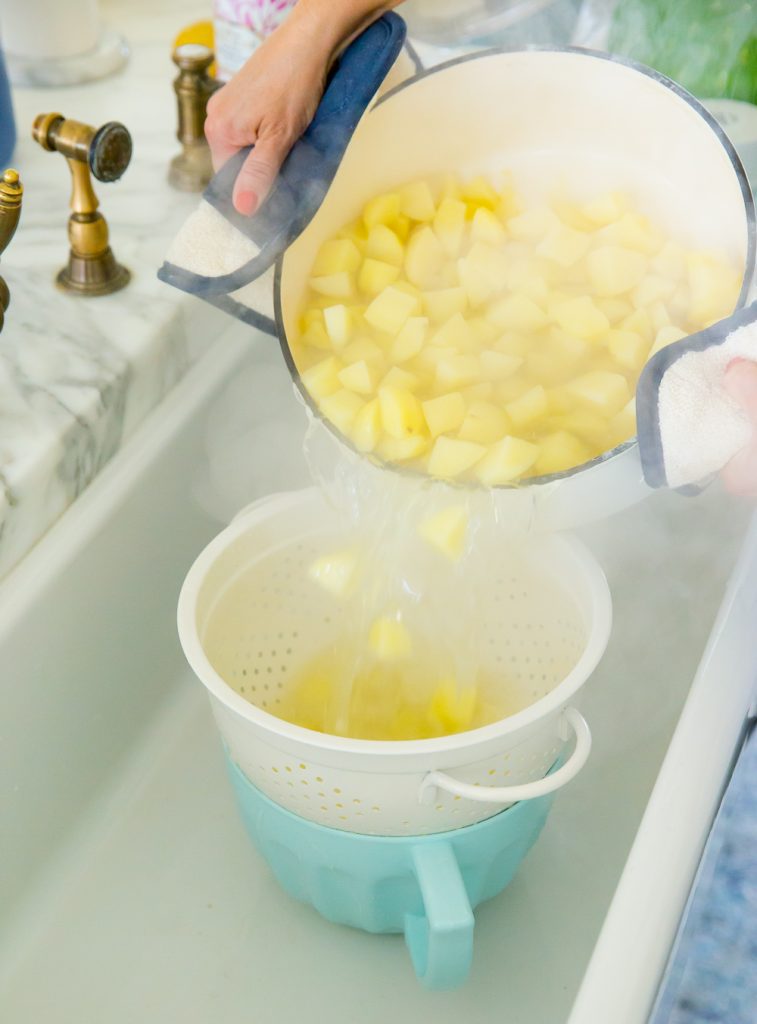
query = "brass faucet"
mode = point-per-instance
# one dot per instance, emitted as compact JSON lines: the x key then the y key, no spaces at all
{"x":11,"y":192}
{"x":191,"y":170}
{"x":92,"y":268}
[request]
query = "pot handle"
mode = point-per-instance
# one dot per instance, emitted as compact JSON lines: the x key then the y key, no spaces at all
{"x":441,"y":939}
{"x":571,"y":720}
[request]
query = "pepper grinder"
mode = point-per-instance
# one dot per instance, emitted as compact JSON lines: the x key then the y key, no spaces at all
{"x":105,"y":152}
{"x":191,"y":170}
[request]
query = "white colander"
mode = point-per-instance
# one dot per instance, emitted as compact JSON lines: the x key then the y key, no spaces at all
{"x":545,"y":627}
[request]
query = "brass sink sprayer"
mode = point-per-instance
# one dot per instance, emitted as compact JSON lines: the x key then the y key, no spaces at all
{"x":92,"y":268}
{"x":11,"y":193}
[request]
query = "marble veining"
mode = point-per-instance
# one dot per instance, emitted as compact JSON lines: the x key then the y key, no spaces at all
{"x":77,"y":375}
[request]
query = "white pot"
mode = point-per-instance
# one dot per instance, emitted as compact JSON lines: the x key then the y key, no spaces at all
{"x":548,"y":620}
{"x":572,"y":117}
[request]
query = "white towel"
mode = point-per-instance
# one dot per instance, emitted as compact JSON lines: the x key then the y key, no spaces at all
{"x":688,"y":426}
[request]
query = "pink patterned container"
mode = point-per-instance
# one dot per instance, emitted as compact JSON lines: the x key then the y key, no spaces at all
{"x":241,"y":26}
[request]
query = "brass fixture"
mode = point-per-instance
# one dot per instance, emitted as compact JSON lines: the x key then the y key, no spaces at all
{"x":11,"y":192}
{"x":92,"y":268}
{"x":191,"y":170}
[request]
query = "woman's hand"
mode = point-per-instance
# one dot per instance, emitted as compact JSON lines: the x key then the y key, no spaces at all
{"x":740,"y":381}
{"x":273,"y":97}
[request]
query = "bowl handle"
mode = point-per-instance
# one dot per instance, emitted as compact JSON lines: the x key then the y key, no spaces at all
{"x":441,"y":939}
{"x":571,"y":720}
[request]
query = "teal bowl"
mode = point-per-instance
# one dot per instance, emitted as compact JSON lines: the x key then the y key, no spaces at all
{"x":424,"y":887}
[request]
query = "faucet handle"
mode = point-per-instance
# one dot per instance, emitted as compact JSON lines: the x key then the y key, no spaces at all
{"x":191,"y":170}
{"x":11,"y":194}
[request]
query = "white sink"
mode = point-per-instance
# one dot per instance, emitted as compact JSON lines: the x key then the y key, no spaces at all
{"x":130,"y":891}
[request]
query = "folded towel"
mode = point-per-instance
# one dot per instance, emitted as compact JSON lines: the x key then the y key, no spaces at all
{"x":227,"y":258}
{"x":688,"y":426}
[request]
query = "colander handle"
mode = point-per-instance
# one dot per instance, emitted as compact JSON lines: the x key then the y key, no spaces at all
{"x":441,"y":939}
{"x":571,"y":720}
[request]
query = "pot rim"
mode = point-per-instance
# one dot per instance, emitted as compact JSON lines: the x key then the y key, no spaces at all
{"x":633,"y":65}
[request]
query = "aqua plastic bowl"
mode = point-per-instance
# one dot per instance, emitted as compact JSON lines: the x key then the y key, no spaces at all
{"x":423,"y":886}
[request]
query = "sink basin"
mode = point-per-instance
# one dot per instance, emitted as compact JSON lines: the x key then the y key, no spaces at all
{"x":129,"y":889}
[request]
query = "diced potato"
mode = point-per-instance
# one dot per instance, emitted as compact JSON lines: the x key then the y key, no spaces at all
{"x":400,"y":449}
{"x":323,"y":378}
{"x":514,"y":343}
{"x":582,"y":318}
{"x":498,"y":365}
{"x":659,"y":315}
{"x":401,"y":412}
{"x":666,"y":336}
{"x":559,"y":452}
{"x":628,"y":348}
{"x":455,"y":333}
{"x":601,"y":390}
{"x":339,"y":255}
{"x":508,"y":205}
{"x":366,"y":430}
{"x":338,"y":322}
{"x":564,"y":245}
{"x":587,"y":425}
{"x":451,"y":457}
{"x":478,"y":288}
{"x":615,"y":309}
{"x":481,"y":392}
{"x":382,"y":209}
{"x":335,"y":572}
{"x":641,"y":322}
{"x":540,"y":364}
{"x":449,"y":187}
{"x":482,"y":332}
{"x":606,"y":209}
{"x":614,"y":270}
{"x":401,"y":227}
{"x":335,"y":286}
{"x":531,"y":406}
{"x":486,"y":227}
{"x":410,"y":339}
{"x":454,"y":706}
{"x":448,"y":276}
{"x":447,"y":530}
{"x":374,"y":276}
{"x":363,"y":348}
{"x":623,"y":424}
{"x":315,"y":335}
{"x":424,"y":257}
{"x":479,"y":192}
{"x":389,"y":639}
{"x":670,"y":261}
{"x":567,"y":347}
{"x":484,"y":423}
{"x":516,"y":312}
{"x":390,"y":310}
{"x":444,"y":303}
{"x":417,"y":202}
{"x":445,"y":413}
{"x":532,"y":225}
{"x":632,"y":231}
{"x":384,"y":245}
{"x":429,"y":357}
{"x":402,"y":379}
{"x":341,"y":408}
{"x":652,"y":288}
{"x":449,"y":225}
{"x":490,"y":262}
{"x":358,"y":377}
{"x":713,"y":289}
{"x":457,"y":370}
{"x":505,"y":461}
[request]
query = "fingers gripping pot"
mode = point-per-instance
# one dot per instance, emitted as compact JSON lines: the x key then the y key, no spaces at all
{"x":590,"y":121}
{"x":547,"y":643}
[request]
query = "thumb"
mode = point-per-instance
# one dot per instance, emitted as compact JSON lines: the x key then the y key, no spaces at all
{"x":258,"y":174}
{"x":740,"y":382}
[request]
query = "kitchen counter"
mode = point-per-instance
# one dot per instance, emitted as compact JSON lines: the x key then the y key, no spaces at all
{"x":77,"y":375}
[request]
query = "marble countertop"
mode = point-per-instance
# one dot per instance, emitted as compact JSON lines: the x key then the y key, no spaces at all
{"x":77,"y":375}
